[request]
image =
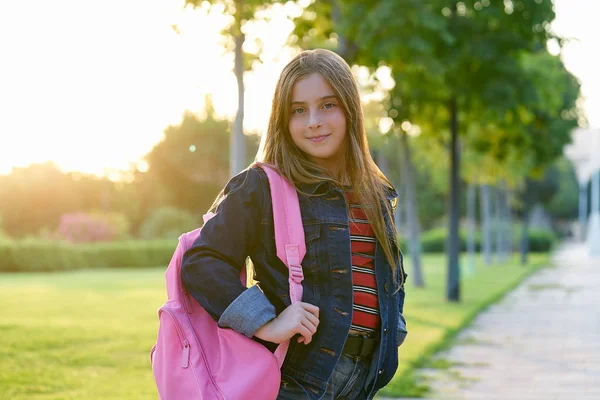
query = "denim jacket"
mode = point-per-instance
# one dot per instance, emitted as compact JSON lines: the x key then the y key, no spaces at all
{"x":242,"y":227}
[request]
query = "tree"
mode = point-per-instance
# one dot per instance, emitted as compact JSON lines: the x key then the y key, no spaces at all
{"x":412,"y":213}
{"x":33,"y":198}
{"x":242,"y":12}
{"x":191,"y":161}
{"x":565,"y":203}
{"x":469,"y":52}
{"x":367,"y":33}
{"x":482,"y":69}
{"x":534,"y":133}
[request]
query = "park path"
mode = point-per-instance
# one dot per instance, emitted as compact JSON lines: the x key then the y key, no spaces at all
{"x":540,"y":342}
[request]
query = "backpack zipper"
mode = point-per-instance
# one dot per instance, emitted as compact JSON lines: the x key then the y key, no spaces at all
{"x":185,"y":356}
{"x":186,"y":350}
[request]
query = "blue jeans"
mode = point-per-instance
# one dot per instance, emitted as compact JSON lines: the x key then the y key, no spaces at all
{"x":346,"y":383}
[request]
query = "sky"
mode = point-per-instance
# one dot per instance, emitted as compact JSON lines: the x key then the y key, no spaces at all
{"x":92,"y":86}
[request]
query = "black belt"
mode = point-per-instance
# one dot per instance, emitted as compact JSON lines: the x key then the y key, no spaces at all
{"x":358,"y":345}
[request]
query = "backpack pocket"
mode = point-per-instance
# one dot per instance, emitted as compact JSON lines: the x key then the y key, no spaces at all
{"x":176,"y":363}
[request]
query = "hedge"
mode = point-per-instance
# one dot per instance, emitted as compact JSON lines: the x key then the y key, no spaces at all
{"x":434,"y":241}
{"x":39,"y":255}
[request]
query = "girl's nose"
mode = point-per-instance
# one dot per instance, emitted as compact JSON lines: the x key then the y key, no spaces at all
{"x":314,"y":123}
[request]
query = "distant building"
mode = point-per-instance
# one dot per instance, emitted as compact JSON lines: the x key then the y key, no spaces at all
{"x":584,"y":153}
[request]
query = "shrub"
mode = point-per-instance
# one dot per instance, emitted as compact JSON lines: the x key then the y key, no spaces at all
{"x":434,"y":240}
{"x":541,"y":240}
{"x":81,"y":227}
{"x":168,"y":223}
{"x":43,"y":255}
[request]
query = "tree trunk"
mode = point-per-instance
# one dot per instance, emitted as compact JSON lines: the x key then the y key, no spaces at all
{"x":453,"y":287}
{"x":471,"y":194}
{"x":509,"y":225}
{"x":345,"y":48}
{"x":583,"y":210}
{"x":400,"y":208}
{"x":497,"y":223}
{"x":382,"y":162}
{"x":525,"y":228}
{"x":486,"y":224}
{"x":412,"y":213}
{"x":502,"y":220}
{"x":237,"y":157}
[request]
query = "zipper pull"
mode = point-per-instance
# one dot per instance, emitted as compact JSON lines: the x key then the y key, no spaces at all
{"x":185,"y":360}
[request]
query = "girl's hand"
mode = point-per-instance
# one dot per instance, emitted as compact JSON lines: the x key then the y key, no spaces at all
{"x":299,"y":318}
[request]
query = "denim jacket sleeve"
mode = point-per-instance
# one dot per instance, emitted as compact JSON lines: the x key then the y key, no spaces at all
{"x":402,"y":292}
{"x":210,"y":269}
{"x":402,"y":329}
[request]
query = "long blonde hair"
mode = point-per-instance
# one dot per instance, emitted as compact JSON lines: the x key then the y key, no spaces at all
{"x":358,"y":168}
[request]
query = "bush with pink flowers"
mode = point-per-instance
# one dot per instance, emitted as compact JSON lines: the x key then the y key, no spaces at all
{"x":82,"y":227}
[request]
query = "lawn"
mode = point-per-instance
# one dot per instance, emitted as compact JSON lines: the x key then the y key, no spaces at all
{"x":79,"y":335}
{"x":87,"y":334}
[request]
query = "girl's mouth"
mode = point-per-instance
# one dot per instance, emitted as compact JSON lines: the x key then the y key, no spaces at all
{"x":318,"y":139}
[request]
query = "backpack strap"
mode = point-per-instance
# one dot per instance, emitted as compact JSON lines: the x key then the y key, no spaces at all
{"x":289,"y":232}
{"x":289,"y":237}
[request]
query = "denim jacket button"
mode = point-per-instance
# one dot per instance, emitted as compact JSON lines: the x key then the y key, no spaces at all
{"x":380,"y":372}
{"x":386,"y":287}
{"x":385,"y":331}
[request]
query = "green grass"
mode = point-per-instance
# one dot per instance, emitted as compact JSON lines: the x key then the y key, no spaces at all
{"x":79,"y":335}
{"x":87,"y":334}
{"x":434,"y":322}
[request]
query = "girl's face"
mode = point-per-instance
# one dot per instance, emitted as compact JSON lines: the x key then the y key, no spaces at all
{"x":317,"y":122}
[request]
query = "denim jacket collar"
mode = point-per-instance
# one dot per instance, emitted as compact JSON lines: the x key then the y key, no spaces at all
{"x":325,"y":186}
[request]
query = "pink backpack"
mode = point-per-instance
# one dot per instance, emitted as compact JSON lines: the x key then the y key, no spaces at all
{"x":195,"y":359}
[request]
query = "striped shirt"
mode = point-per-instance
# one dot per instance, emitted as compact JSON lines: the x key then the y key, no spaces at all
{"x":365,"y":317}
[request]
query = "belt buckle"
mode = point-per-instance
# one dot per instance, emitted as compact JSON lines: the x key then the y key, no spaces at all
{"x":361,"y":346}
{"x":363,"y":340}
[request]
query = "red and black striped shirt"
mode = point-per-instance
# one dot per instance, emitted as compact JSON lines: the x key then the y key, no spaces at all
{"x":365,"y":317}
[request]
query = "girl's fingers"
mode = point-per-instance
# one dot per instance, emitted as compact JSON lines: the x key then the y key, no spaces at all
{"x":314,"y":320}
{"x":314,"y":310}
{"x":306,"y":333}
{"x":310,"y":326}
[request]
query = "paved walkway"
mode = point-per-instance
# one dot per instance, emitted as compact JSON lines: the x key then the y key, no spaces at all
{"x":542,"y":341}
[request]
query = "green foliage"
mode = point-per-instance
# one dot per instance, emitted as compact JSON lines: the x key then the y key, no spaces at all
{"x":430,"y":167}
{"x":489,"y":57}
{"x":3,"y":235}
{"x":186,"y":170}
{"x":241,"y":11}
{"x":565,"y":202}
{"x":32,"y":199}
{"x":466,"y":68}
{"x":531,"y":134}
{"x":43,"y":255}
{"x":167,"y":223}
{"x":434,"y":240}
{"x":192,"y":161}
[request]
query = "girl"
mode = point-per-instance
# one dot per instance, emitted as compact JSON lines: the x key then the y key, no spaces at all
{"x":347,"y":329}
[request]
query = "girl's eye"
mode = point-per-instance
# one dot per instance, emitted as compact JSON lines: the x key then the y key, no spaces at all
{"x":298,"y":111}
{"x":329,"y":105}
